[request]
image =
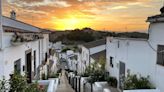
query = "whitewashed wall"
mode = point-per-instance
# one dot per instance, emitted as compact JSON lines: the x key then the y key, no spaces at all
{"x":1,"y":31}
{"x":156,"y":38}
{"x":46,"y":43}
{"x":84,"y":58}
{"x":97,"y":49}
{"x":14,"y":53}
{"x":7,"y":39}
{"x":129,"y":52}
{"x":86,"y":52}
{"x":111,"y":51}
{"x":79,"y":70}
{"x":57,"y":45}
{"x":2,"y":64}
{"x":140,"y":56}
{"x":143,"y":90}
{"x":44,"y":47}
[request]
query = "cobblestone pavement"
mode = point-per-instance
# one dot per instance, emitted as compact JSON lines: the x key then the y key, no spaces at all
{"x":64,"y":85}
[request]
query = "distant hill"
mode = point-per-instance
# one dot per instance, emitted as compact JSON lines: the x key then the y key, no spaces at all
{"x":78,"y":36}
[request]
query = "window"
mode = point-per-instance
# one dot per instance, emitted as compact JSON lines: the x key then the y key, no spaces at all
{"x":111,"y":62}
{"x":46,"y":56}
{"x":34,"y":62}
{"x":17,"y":66}
{"x":160,"y":55}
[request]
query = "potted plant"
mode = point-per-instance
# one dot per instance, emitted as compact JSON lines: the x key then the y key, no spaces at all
{"x":112,"y":81}
{"x":134,"y":82}
{"x":54,"y":75}
{"x":44,"y":76}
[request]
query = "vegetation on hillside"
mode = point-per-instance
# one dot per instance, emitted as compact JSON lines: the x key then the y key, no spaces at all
{"x":78,"y":36}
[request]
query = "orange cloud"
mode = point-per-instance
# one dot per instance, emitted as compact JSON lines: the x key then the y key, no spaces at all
{"x":115,"y":15}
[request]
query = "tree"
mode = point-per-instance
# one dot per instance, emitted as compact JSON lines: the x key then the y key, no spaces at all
{"x":96,"y":71}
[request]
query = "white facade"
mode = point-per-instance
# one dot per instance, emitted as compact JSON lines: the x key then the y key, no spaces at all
{"x":138,"y":55}
{"x":85,"y":56}
{"x":128,"y":51}
{"x":11,"y":53}
{"x":156,"y":38}
{"x":58,"y":46}
{"x":1,"y":31}
{"x":72,"y":60}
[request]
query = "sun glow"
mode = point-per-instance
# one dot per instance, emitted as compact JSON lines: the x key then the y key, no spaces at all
{"x":71,"y":23}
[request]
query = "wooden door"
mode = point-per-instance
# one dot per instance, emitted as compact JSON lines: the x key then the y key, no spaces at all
{"x":28,"y":67}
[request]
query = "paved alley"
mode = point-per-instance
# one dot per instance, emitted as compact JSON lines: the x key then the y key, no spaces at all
{"x":64,"y":85}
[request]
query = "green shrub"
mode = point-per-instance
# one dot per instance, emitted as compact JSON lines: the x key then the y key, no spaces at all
{"x":112,"y":81}
{"x":4,"y":85}
{"x":59,"y":71}
{"x":85,"y":74}
{"x":132,"y":82}
{"x":96,"y":71}
{"x":44,"y":77}
{"x":18,"y":83}
{"x":70,"y":70}
{"x":66,"y":70}
{"x":65,"y":49}
{"x":33,"y":87}
{"x":54,"y":75}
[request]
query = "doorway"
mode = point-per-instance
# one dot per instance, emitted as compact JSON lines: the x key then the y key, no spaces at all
{"x":28,"y":67}
{"x":121,"y":74}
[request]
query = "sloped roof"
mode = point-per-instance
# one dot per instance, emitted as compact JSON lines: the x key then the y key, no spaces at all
{"x":12,"y":29}
{"x":13,"y":25}
{"x":157,"y":18}
{"x":46,"y":31}
{"x":95,"y":43}
{"x":99,"y":55}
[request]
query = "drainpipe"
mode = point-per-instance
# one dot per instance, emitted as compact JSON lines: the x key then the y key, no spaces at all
{"x":1,"y":31}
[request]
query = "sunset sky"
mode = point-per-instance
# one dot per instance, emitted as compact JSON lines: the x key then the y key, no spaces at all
{"x":113,"y":15}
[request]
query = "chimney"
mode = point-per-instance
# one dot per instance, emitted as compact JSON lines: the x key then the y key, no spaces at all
{"x":13,"y":15}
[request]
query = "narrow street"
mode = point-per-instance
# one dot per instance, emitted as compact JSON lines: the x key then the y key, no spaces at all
{"x":64,"y":85}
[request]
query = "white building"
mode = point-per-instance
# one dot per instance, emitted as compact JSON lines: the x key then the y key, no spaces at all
{"x":24,"y":48}
{"x":98,"y":56}
{"x":73,"y":61}
{"x":56,"y":49}
{"x":139,"y":56}
{"x":58,"y":46}
{"x":88,"y":49}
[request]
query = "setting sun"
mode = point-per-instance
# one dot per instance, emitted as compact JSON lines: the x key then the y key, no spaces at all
{"x":115,"y":15}
{"x":71,"y":23}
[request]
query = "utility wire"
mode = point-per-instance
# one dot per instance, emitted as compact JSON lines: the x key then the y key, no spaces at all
{"x":150,"y":45}
{"x":153,"y":48}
